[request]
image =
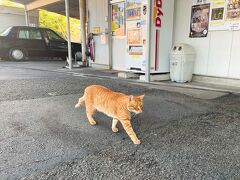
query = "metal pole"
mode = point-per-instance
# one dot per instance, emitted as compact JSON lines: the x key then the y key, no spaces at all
{"x":149,"y":32}
{"x":26,"y":15}
{"x":68,"y":35}
{"x":82,"y":10}
{"x":110,"y":33}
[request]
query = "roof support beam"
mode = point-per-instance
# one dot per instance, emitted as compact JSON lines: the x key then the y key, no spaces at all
{"x":149,"y":35}
{"x":26,"y":16}
{"x":39,"y":3}
{"x":82,"y":11}
{"x":110,"y":33}
{"x":68,"y":35}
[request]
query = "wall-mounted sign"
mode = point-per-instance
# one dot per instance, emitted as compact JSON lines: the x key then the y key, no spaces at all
{"x":224,"y":14}
{"x":217,"y":15}
{"x":134,"y":36}
{"x":197,"y":2}
{"x":199,"y":21}
{"x":135,"y":50}
{"x":118,"y":16}
{"x":103,"y":38}
{"x":134,"y":13}
{"x":233,"y":14}
{"x":131,"y":4}
{"x":157,"y":20}
{"x":133,"y":9}
{"x":96,"y":30}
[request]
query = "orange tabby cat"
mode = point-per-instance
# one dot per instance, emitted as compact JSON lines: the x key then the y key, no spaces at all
{"x":114,"y":104}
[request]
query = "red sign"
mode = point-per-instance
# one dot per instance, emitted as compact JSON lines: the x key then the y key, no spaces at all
{"x":158,"y":13}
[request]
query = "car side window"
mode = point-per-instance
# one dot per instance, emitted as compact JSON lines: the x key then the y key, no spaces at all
{"x":35,"y":34}
{"x":23,"y":34}
{"x":53,"y":36}
{"x":29,"y":34}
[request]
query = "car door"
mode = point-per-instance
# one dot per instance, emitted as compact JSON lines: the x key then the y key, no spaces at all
{"x":32,"y":41}
{"x":57,"y":46}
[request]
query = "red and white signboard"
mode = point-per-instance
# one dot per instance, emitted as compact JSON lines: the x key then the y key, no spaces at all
{"x":157,"y":15}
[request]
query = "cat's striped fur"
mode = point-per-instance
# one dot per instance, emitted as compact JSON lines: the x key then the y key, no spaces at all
{"x":114,"y":104}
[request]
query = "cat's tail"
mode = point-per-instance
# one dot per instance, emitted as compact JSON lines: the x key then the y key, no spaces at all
{"x":80,"y":102}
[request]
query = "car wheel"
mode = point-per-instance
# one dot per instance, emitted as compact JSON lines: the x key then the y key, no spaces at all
{"x":16,"y":54}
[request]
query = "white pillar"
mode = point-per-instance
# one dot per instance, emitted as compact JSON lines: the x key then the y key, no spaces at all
{"x":26,"y":15}
{"x":82,"y":11}
{"x":68,"y":35}
{"x":149,"y":24}
{"x":110,"y":33}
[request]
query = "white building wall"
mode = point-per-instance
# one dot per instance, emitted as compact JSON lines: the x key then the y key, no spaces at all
{"x":8,"y":20}
{"x":10,"y":16}
{"x":218,"y":54}
{"x":97,"y":12}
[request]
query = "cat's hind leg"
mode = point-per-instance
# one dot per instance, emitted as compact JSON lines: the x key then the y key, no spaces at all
{"x":90,"y":111}
{"x":114,"y":125}
{"x":80,"y":102}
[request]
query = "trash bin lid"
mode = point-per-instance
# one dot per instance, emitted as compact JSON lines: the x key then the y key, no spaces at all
{"x":182,"y":48}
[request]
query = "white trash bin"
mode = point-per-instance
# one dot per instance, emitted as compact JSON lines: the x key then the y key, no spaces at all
{"x":182,"y":60}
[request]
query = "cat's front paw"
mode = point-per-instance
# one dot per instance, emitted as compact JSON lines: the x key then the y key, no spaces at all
{"x":93,"y":123}
{"x":137,"y":141}
{"x":115,"y":130}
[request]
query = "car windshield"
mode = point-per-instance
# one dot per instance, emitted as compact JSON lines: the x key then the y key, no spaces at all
{"x":6,"y":32}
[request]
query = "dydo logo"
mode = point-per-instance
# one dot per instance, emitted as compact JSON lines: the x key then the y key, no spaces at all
{"x":158,"y":13}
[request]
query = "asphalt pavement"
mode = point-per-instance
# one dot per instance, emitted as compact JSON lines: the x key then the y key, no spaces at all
{"x":42,"y":135}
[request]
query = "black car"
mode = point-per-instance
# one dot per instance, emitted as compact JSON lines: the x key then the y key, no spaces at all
{"x":19,"y":42}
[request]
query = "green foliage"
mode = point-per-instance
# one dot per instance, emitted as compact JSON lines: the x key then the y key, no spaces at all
{"x":53,"y":21}
{"x":57,"y":23}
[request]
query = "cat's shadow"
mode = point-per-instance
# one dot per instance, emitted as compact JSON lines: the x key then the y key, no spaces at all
{"x":105,"y":122}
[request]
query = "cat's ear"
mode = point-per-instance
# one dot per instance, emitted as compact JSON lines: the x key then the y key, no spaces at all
{"x":131,"y":98}
{"x":142,"y":96}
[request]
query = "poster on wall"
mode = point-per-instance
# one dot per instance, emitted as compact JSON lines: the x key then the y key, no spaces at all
{"x":133,"y":24}
{"x":133,"y":14}
{"x":135,"y":50}
{"x":130,"y":4}
{"x":118,"y":24}
{"x":233,"y":14}
{"x":133,"y":9}
{"x":199,"y":21}
{"x":144,"y":25}
{"x":217,"y":20}
{"x":197,"y":2}
{"x":134,"y":36}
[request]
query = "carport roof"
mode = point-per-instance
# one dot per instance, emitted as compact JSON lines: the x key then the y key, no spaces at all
{"x":57,"y":6}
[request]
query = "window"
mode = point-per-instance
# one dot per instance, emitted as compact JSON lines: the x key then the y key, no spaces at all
{"x":23,"y":34}
{"x":118,"y":19}
{"x":29,"y":34}
{"x":53,"y":36}
{"x":35,"y":34}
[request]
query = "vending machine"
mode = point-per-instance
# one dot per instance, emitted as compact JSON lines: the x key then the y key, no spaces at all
{"x":161,"y":34}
